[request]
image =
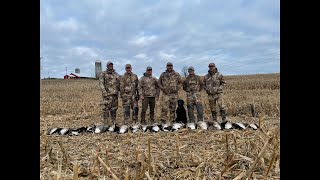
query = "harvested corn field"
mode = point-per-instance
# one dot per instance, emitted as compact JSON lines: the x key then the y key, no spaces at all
{"x":186,"y":154}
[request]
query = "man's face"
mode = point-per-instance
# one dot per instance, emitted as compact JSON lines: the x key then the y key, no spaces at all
{"x":212,"y":68}
{"x":128,"y":69}
{"x":169,"y":67}
{"x":149,"y":72}
{"x":110,"y":66}
{"x":191,"y":72}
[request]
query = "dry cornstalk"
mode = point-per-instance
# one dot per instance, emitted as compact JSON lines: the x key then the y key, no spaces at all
{"x":107,"y":168}
{"x":177,"y":145}
{"x":136,"y":166}
{"x":149,"y":155}
{"x":147,"y":175}
{"x":264,"y":148}
{"x":227,"y":148}
{"x":126,"y":177}
{"x":65,"y":153}
{"x":271,"y":162}
{"x":235,"y":144}
{"x":75,"y":171}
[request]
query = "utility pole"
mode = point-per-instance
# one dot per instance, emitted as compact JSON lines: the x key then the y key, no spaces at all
{"x":66,"y":70}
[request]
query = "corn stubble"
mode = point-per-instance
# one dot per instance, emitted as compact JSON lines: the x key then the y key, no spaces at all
{"x":165,"y":155}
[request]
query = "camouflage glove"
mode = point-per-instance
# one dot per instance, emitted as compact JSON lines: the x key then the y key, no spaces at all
{"x":220,"y":88}
{"x":104,"y":94}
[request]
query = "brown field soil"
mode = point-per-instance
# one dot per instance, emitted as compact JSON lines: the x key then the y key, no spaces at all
{"x":174,"y":155}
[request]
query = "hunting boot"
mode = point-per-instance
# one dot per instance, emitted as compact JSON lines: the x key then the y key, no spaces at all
{"x":223,"y":115}
{"x":199,"y":112}
{"x":190,"y":108}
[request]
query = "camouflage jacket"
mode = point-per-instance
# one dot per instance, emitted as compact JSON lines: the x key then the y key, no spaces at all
{"x":109,"y":82}
{"x":148,"y":86}
{"x":170,"y":83}
{"x":129,"y":84}
{"x":214,"y":83}
{"x":193,"y":84}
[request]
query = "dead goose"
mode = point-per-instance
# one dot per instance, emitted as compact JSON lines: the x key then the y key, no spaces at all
{"x":145,"y":128}
{"x":64,"y":131}
{"x":203,"y":125}
{"x":216,"y":125}
{"x":155,"y":128}
{"x":177,"y":126}
{"x":123,"y":129}
{"x":135,"y":128}
{"x":101,"y":128}
{"x":191,"y":126}
{"x":166,"y":127}
{"x":53,"y":131}
{"x":239,"y":126}
{"x":253,"y":126}
{"x":91,"y":128}
{"x":114,"y":128}
{"x":80,"y":130}
{"x":74,"y":133}
{"x":226,"y":125}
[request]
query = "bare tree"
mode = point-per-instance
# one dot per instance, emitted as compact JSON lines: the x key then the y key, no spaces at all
{"x":185,"y":71}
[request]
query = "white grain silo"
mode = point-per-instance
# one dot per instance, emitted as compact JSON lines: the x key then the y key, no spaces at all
{"x":98,"y":68}
{"x":77,"y":71}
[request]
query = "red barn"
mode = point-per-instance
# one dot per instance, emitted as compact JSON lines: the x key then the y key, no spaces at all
{"x":71,"y":76}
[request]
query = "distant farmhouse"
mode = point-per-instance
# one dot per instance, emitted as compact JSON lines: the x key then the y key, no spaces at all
{"x":76,"y":75}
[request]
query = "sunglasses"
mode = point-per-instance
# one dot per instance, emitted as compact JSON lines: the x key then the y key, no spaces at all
{"x":149,"y":70}
{"x":169,"y":65}
{"x":211,"y":66}
{"x":128,"y":67}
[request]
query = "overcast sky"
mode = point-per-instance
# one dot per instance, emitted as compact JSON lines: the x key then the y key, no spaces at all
{"x":240,"y":36}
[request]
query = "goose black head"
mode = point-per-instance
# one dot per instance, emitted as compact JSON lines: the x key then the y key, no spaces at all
{"x":81,"y":129}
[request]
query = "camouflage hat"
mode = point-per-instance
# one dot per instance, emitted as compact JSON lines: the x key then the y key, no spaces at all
{"x":212,"y":64}
{"x":128,"y":65}
{"x":169,"y":63}
{"x":149,"y":68}
{"x":109,"y":62}
{"x":190,"y":68}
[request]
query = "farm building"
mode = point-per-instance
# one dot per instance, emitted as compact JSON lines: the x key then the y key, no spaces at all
{"x":75,"y":76}
{"x":71,"y":76}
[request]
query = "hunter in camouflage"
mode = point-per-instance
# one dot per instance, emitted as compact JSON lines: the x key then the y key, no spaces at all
{"x":129,"y":94}
{"x":170,"y":83}
{"x":109,"y":85}
{"x":149,"y":92}
{"x":214,"y":84}
{"x":193,"y":86}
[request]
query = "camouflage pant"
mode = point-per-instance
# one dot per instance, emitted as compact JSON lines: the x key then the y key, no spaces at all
{"x":214,"y":100}
{"x":194,"y":99}
{"x":110,"y":108}
{"x":151,"y":102}
{"x":130,"y":102}
{"x":168,"y":103}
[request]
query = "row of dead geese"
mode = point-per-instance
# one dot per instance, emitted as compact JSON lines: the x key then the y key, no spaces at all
{"x":150,"y":128}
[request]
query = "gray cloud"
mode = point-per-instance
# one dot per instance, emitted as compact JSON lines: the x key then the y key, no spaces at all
{"x":150,"y":33}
